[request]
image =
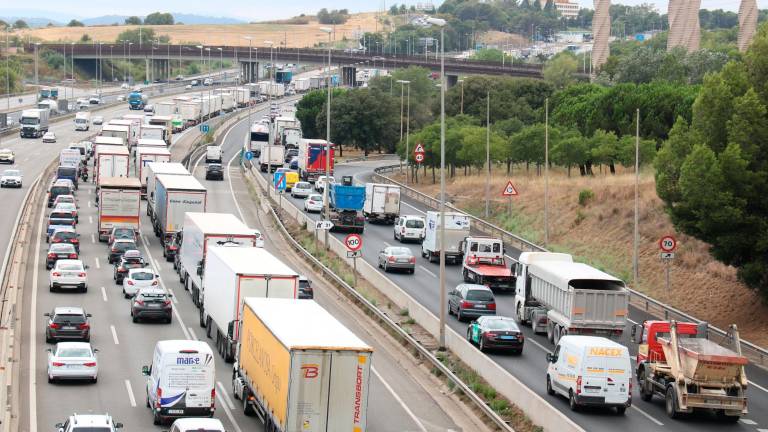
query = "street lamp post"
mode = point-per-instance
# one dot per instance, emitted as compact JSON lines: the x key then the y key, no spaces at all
{"x":441,"y":23}
{"x":130,"y":73}
{"x":327,"y":185}
{"x":403,"y":84}
{"x":272,"y":130}
{"x":112,"y":62}
{"x":461,"y":81}
{"x":221,"y":66}
{"x":201,"y":87}
{"x":37,"y":81}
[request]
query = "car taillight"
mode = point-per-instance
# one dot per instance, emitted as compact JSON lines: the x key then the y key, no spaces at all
{"x":492,"y":306}
{"x":465,"y":304}
{"x":159,"y":396}
{"x":213,"y":398}
{"x":57,"y":364}
{"x":89,"y":364}
{"x":140,"y":302}
{"x":53,"y":326}
{"x":412,"y":260}
{"x":81,"y":274}
{"x":153,"y":283}
{"x":310,"y":202}
{"x":74,"y":240}
{"x":114,"y":249}
{"x":172,"y":247}
{"x":391,"y":259}
{"x":84,"y":326}
{"x":402,"y":230}
{"x":489,"y":335}
{"x":520,"y":336}
{"x":73,"y":256}
{"x":167,"y":302}
{"x":56,"y":274}
{"x":578,"y":384}
{"x":130,"y":282}
{"x":52,"y":255}
{"x":57,"y":240}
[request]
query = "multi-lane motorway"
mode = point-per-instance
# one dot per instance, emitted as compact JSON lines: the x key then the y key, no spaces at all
{"x":531,"y":366}
{"x":398,"y":400}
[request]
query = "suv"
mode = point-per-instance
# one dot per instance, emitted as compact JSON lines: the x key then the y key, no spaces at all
{"x":60,"y":187}
{"x":214,"y":171}
{"x":153,"y":303}
{"x":131,"y":259}
{"x":118,"y":248}
{"x":67,"y":323}
{"x":123,"y":233}
{"x":66,"y":235}
{"x":471,"y":301}
{"x":301,"y":190}
{"x":89,"y":423}
{"x":410,"y":228}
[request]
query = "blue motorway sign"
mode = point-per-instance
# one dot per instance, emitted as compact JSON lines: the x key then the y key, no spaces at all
{"x":248,"y":155}
{"x":279,"y":181}
{"x":204,"y":128}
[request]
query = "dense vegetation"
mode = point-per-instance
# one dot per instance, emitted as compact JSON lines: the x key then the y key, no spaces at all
{"x":340,"y":16}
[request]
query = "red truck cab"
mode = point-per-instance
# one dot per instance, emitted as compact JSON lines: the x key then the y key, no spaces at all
{"x":649,"y":349}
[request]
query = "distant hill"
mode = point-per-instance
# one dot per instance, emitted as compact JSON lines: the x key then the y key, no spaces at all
{"x":178,"y":17}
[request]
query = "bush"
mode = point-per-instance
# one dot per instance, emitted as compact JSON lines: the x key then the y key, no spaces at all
{"x":585,"y":196}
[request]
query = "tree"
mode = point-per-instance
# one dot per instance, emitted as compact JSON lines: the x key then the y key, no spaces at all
{"x":339,"y":16}
{"x":307,"y":109}
{"x":159,"y":18}
{"x":473,"y":146}
{"x":20,"y":24}
{"x":605,"y":149}
{"x":75,"y":23}
{"x":85,"y":38}
{"x":393,"y":10}
{"x":366,"y":119}
{"x":3,"y":24}
{"x":133,"y":20}
{"x":145,"y":34}
{"x":572,"y":149}
{"x":560,"y":69}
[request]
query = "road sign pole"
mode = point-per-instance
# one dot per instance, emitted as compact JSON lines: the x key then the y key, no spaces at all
{"x":354,"y":270}
{"x":669,"y":294}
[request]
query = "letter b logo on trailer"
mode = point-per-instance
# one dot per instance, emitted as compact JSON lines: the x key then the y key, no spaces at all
{"x":310,"y":370}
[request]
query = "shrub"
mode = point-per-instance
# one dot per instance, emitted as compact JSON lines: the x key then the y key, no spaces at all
{"x":585,"y":196}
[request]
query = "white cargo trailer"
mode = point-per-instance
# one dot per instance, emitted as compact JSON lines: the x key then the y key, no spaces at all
{"x":111,"y":161}
{"x":456,"y":229}
{"x":119,"y":204}
{"x":175,"y":195}
{"x":382,"y":202}
{"x":145,"y":156}
{"x":153,"y":170}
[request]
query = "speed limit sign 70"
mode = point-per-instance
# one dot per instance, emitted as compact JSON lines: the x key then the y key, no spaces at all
{"x":353,"y":242}
{"x":668,"y":243}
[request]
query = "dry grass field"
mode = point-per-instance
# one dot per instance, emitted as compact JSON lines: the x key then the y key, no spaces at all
{"x":601,"y":231}
{"x":291,"y":35}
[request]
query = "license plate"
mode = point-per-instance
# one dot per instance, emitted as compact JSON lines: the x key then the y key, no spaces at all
{"x":480,"y":306}
{"x":508,"y":337}
{"x":402,"y":260}
{"x":73,"y":366}
{"x":62,"y":256}
{"x":155,"y":305}
{"x":175,"y":411}
{"x":68,"y":328}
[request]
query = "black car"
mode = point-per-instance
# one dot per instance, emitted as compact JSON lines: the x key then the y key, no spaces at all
{"x":290,"y":154}
{"x":59,"y":251}
{"x":118,"y":248}
{"x":305,"y":288}
{"x":131,"y":259}
{"x":67,"y":323}
{"x":214,"y":171}
{"x":152,"y":303}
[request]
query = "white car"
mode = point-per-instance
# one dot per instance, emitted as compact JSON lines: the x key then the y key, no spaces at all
{"x":138,"y":278}
{"x":7,"y":156}
{"x":97,"y":120}
{"x":11,"y":178}
{"x":259,"y":238}
{"x":124,"y":86}
{"x":49,"y":137}
{"x":120,"y":98}
{"x":301,"y":190}
{"x":313,"y":203}
{"x":72,"y":360}
{"x":322,"y":180}
{"x":410,"y":228}
{"x":68,"y":274}
{"x":188,"y":86}
{"x":197,"y":424}
{"x":89,"y":423}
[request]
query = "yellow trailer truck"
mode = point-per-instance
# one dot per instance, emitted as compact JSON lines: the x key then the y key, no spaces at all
{"x":299,"y":369}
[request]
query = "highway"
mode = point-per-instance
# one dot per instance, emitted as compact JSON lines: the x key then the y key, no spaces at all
{"x":397,"y":401}
{"x":530,"y":368}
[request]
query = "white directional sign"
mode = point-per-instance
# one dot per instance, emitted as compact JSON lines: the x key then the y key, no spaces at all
{"x":323,"y":225}
{"x":667,"y":255}
{"x":353,"y":242}
{"x":354,"y":254}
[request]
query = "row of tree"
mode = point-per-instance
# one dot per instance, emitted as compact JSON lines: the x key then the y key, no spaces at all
{"x":336,"y":16}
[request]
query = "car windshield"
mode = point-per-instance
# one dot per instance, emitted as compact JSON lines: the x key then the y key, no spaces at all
{"x":61,"y":215}
{"x":124,"y":246}
{"x":12,"y":173}
{"x":65,"y":235}
{"x":142,"y":276}
{"x":73,"y":352}
{"x":62,"y":247}
{"x":498,"y":324}
{"x":67,"y":172}
{"x":303,"y":185}
{"x":315,"y":197}
{"x":68,"y":266}
{"x":414,"y":223}
{"x":400,"y":251}
{"x":59,"y":190}
{"x":479,"y":295}
{"x":72,"y":319}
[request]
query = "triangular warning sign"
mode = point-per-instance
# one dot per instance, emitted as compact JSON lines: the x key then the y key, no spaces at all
{"x":419,"y":148}
{"x":509,"y":189}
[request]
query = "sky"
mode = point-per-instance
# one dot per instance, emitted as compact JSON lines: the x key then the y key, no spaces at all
{"x":255,"y":10}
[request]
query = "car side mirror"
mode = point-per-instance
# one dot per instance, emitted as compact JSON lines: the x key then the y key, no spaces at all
{"x":200,"y":270}
{"x":157,"y":275}
{"x":118,"y":425}
{"x":86,"y":266}
{"x":145,"y":370}
{"x":48,"y":350}
{"x":47,"y":314}
{"x":88,"y":315}
{"x":59,"y":426}
{"x":95,"y":350}
{"x":170,"y":295}
{"x":551,"y":358}
{"x":637,"y":333}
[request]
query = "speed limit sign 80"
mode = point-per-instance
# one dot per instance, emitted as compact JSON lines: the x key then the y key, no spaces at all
{"x":668,"y":243}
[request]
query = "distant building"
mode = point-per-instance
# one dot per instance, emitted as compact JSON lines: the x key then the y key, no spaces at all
{"x":566,"y":8}
{"x":425,"y":6}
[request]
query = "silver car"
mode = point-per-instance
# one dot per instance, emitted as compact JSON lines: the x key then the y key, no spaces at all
{"x":396,"y":257}
{"x":301,"y":190}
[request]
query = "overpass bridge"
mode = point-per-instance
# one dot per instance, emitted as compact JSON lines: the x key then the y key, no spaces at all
{"x":158,"y":58}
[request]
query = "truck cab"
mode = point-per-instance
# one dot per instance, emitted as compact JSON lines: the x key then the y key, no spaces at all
{"x":483,"y":263}
{"x":646,"y":336}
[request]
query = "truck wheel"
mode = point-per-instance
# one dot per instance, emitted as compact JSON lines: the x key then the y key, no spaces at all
{"x":550,"y":333}
{"x":550,"y":390}
{"x":202,"y":318}
{"x":723,"y":417}
{"x":247,"y":407}
{"x":519,"y":314}
{"x":466,"y":276}
{"x":646,"y":393}
{"x":620,"y":410}
{"x":572,"y":401}
{"x":670,"y":405}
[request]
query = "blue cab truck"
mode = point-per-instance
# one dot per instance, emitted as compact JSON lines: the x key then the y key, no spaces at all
{"x":346,"y":203}
{"x":136,"y":101}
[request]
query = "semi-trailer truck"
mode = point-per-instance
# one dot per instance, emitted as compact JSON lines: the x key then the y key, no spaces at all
{"x":382,"y":202}
{"x":300,"y":369}
{"x":175,"y":195}
{"x":153,"y":170}
{"x":555,"y":294}
{"x":312,"y":159}
{"x":144,"y":156}
{"x":346,"y":205}
{"x":199,"y":233}
{"x":137,"y":100}
{"x":111,"y":161}
{"x":119,"y":204}
{"x":34,"y":122}
{"x":232,"y":274}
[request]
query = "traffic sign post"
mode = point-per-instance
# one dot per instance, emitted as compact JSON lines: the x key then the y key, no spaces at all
{"x":354,"y":244}
{"x":418,"y":153}
{"x":510,"y":191}
{"x":323,"y":225}
{"x":667,"y":244}
{"x":249,"y":155}
{"x":204,"y":128}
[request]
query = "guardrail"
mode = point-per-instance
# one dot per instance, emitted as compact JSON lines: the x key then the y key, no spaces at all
{"x":756,"y":354}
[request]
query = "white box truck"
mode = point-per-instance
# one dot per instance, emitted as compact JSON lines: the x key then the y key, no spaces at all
{"x":300,"y":369}
{"x":69,"y":157}
{"x":82,"y":121}
{"x":227,"y":102}
{"x":145,"y":156}
{"x":201,"y":231}
{"x":119,"y":204}
{"x":165,"y":108}
{"x":34,"y":122}
{"x":117,"y":131}
{"x":231,"y":274}
{"x":190,"y":112}
{"x":301,"y":85}
{"x":566,"y":297}
{"x":382,"y":202}
{"x":175,"y":195}
{"x":111,"y":161}
{"x":271,"y":157}
{"x":456,"y":228}
{"x":153,"y":170}
{"x":134,"y":129}
{"x":155,"y":132}
{"x":108,"y":141}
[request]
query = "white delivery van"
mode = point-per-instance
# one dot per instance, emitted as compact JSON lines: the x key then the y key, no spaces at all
{"x":590,"y":371}
{"x":82,"y":121}
{"x":213,"y":154}
{"x":456,"y":229}
{"x":180,"y":380}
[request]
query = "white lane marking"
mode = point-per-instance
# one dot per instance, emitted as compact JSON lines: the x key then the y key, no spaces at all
{"x":104,"y":294}
{"x":226,"y":397}
{"x":758,"y":386}
{"x":228,"y":412}
{"x":90,"y":220}
{"x":229,"y":180}
{"x":173,"y":294}
{"x":175,"y":310}
{"x":632,"y":321}
{"x":93,"y":238}
{"x":405,"y":203}
{"x":146,"y":240}
{"x":762,"y":430}
{"x":129,"y":389}
{"x":114,"y":335}
{"x":648,"y":416}
{"x":98,"y":264}
{"x":387,"y":244}
{"x":748,"y":422}
{"x":33,"y":326}
{"x":407,"y":410}
{"x":192,"y":333}
{"x":89,"y":203}
{"x":424,"y":269}
{"x":157,"y":264}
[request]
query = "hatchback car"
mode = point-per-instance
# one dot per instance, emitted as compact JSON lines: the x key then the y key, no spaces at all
{"x":496,"y":332}
{"x":7,"y":156}
{"x":67,"y":323}
{"x":294,"y":163}
{"x":58,"y":220}
{"x":68,"y":207}
{"x":69,"y":274}
{"x":471,"y":301}
{"x":64,"y":199}
{"x":138,"y":278}
{"x":322,"y":180}
{"x":197,"y":425}
{"x":123,"y":233}
{"x":410,"y":228}
{"x":131,"y":259}
{"x":290,"y":154}
{"x":89,"y":423}
{"x":49,"y":137}
{"x":305,"y":288}
{"x":97,"y":120}
{"x":72,"y":361}
{"x":152,"y":303}
{"x":66,"y":235}
{"x":301,"y":190}
{"x":59,"y":251}
{"x":313,"y":203}
{"x":397,"y":258}
{"x":118,"y":248}
{"x":11,"y":178}
{"x":214,"y":171}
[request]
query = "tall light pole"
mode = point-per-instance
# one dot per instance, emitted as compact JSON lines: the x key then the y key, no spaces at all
{"x":488,"y":152}
{"x":461,"y":81}
{"x":636,"y":234}
{"x":203,"y":80}
{"x":100,"y":68}
{"x":112,"y":62}
{"x":37,"y":81}
{"x":441,"y":23}
{"x":130,"y":73}
{"x":124,"y":74}
{"x":546,"y":172}
{"x":250,"y":59}
{"x":403,"y":84}
{"x":221,"y":66}
{"x":272,"y":130}
{"x":326,"y":204}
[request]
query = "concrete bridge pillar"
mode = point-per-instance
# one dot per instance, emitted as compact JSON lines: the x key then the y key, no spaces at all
{"x":249,"y":70}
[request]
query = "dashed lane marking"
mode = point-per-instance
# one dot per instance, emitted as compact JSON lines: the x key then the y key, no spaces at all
{"x":131,"y":398}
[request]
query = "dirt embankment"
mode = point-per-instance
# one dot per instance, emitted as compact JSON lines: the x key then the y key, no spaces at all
{"x":600,"y":231}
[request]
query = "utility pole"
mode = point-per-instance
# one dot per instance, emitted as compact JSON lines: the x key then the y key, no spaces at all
{"x":546,"y":172}
{"x":488,"y":153}
{"x":327,"y":185}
